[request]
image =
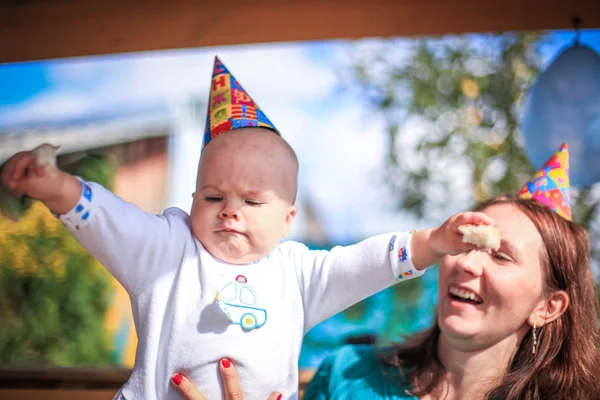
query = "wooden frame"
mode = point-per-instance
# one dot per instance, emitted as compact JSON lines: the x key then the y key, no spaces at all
{"x":44,"y":29}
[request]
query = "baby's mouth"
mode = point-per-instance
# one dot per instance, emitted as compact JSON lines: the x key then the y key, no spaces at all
{"x":229,"y":231}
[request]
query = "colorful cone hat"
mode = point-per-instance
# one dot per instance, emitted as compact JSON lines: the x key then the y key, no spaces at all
{"x":550,"y":185}
{"x":230,"y":107}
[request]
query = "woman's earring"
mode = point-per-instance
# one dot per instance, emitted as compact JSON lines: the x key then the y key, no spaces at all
{"x":534,"y":340}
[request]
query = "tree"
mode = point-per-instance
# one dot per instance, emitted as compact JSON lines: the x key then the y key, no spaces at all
{"x":53,"y":294}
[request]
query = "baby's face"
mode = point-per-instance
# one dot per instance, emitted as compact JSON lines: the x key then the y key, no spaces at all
{"x":242,"y":206}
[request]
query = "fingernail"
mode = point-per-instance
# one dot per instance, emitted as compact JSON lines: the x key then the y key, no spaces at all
{"x":177,"y":379}
{"x":279,"y":397}
{"x":226,"y":363}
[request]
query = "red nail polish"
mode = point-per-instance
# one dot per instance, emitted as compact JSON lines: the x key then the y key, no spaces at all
{"x":177,"y":379}
{"x":226,"y":363}
{"x":279,"y":397}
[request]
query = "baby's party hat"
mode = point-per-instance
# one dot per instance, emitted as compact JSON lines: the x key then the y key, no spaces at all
{"x":230,"y":107}
{"x":550,"y":185}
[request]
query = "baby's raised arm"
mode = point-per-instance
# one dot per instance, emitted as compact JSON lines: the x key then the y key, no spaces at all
{"x":331,"y":281}
{"x":132,"y":244}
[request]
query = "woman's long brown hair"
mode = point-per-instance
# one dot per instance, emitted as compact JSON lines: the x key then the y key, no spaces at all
{"x":566,"y":365}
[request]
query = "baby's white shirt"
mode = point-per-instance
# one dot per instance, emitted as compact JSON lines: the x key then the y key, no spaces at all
{"x":172,"y":282}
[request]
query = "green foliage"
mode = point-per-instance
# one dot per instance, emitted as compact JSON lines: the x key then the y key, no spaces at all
{"x":53,"y":294}
{"x":98,"y":167}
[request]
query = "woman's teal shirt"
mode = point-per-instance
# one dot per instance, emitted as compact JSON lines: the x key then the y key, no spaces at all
{"x":357,"y":373}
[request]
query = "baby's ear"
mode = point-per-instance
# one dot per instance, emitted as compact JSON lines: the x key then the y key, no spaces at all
{"x":289,"y":218}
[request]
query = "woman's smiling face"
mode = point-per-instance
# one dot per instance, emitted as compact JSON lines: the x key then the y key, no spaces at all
{"x":486,"y":297}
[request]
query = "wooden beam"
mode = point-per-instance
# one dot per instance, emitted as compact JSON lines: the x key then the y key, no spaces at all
{"x":43,"y":29}
{"x":46,"y":377}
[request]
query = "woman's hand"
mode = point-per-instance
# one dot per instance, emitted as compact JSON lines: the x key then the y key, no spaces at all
{"x":231,"y":384}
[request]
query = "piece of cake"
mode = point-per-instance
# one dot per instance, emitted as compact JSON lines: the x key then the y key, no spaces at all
{"x":45,"y":155}
{"x":485,"y":236}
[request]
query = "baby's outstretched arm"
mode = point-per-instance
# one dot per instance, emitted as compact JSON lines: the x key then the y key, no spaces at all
{"x":332,"y":281}
{"x":132,"y":244}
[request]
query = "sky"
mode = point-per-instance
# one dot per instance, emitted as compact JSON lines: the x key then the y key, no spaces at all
{"x":340,"y":143}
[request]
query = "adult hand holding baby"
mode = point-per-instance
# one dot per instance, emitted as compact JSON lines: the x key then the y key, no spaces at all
{"x":231,"y":384}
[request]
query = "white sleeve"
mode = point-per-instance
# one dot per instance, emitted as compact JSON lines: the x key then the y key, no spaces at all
{"x":331,"y":281}
{"x":132,"y":244}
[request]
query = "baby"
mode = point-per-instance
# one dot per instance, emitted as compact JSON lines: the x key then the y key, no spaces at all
{"x":218,"y":282}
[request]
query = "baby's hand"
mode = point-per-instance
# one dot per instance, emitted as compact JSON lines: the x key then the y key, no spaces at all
{"x":34,"y":173}
{"x":448,"y":238}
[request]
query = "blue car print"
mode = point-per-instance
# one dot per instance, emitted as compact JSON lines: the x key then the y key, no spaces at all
{"x":238,"y":301}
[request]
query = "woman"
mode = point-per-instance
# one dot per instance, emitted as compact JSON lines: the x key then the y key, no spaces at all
{"x":517,"y":323}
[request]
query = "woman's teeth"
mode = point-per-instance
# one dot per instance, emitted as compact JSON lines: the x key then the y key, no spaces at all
{"x":465,"y":295}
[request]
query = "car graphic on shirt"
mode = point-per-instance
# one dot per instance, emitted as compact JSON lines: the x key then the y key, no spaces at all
{"x":237,"y":300}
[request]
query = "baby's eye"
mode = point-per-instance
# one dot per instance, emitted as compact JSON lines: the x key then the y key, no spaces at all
{"x":213,"y":199}
{"x":253,"y":203}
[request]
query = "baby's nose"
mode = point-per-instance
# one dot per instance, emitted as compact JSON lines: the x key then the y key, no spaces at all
{"x":229,"y":212}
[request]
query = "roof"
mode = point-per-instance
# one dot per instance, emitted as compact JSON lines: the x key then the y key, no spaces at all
{"x":85,"y":133}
